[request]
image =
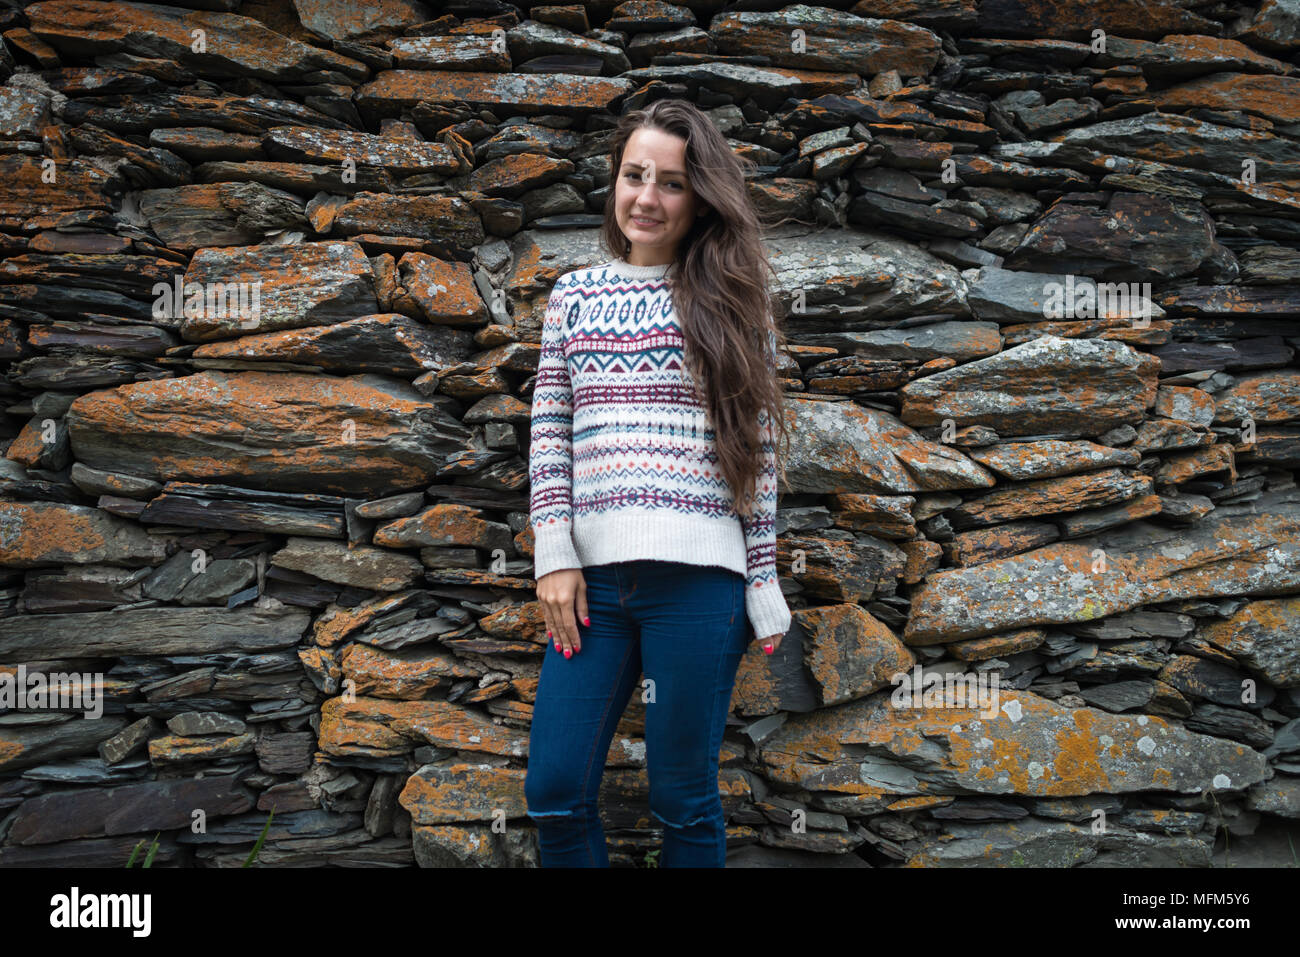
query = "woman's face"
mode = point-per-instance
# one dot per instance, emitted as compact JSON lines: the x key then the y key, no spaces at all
{"x":653,"y":200}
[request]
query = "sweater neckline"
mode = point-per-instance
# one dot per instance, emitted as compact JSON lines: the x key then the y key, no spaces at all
{"x":623,"y":268}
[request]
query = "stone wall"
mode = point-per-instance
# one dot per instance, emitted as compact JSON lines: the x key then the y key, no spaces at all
{"x":1042,"y":259}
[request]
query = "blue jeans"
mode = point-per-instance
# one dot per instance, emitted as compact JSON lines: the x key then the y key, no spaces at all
{"x":686,"y":628}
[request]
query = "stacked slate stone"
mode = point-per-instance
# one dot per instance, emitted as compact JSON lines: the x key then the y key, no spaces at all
{"x":271,"y":284}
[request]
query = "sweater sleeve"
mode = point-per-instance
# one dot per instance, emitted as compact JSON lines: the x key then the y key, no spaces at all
{"x":550,"y":451}
{"x":766,"y":606}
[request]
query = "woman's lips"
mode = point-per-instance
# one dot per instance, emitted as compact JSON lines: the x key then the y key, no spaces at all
{"x":645,"y":222}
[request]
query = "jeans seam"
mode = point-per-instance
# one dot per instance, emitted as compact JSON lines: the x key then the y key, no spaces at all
{"x":618,"y":586}
{"x":586,"y":778}
{"x":710,"y":754}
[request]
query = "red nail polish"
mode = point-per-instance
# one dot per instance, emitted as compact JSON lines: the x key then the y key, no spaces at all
{"x":586,"y":621}
{"x":568,"y":653}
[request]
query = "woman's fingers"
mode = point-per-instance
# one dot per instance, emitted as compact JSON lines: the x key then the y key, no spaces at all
{"x":581,"y":603}
{"x":550,"y":625}
{"x":559,"y":634}
{"x":560,"y":593}
{"x":569,"y":627}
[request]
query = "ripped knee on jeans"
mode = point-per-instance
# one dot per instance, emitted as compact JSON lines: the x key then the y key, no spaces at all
{"x":560,"y":808}
{"x":546,"y":799}
{"x":551,"y":813}
{"x":697,"y":820}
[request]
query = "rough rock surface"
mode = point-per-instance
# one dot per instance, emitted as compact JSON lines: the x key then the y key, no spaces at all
{"x":270,"y":307}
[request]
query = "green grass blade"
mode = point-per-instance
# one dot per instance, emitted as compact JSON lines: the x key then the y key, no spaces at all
{"x":261,"y":838}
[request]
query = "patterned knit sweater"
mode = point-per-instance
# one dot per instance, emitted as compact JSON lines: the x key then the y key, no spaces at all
{"x":622,"y":460}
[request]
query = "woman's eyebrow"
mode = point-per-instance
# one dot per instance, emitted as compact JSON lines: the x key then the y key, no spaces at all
{"x":666,"y":172}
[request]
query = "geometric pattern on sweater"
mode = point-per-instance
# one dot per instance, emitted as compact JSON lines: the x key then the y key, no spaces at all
{"x":623,"y":463}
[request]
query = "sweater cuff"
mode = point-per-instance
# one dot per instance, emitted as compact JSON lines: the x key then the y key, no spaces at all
{"x":767,"y":609}
{"x":553,"y":549}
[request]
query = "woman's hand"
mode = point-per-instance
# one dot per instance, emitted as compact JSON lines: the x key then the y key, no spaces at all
{"x":559,"y":593}
{"x":771,"y":643}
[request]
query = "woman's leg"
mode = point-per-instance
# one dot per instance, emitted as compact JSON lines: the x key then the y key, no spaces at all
{"x":694,"y":630}
{"x":579,"y":702}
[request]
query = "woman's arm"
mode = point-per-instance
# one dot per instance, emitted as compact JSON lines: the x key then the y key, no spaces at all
{"x":550,"y":455}
{"x":766,"y":606}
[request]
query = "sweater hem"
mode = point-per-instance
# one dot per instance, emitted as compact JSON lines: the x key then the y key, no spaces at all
{"x":553,"y":549}
{"x":640,"y":535}
{"x":767,"y":610}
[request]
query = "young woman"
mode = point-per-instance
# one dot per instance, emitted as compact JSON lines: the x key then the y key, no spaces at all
{"x":654,"y":483}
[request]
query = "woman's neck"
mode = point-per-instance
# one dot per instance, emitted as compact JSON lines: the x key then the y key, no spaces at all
{"x":625,"y":268}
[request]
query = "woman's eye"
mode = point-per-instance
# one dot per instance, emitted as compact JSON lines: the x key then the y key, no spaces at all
{"x":637,"y":176}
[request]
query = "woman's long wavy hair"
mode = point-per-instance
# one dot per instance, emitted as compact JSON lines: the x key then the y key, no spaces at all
{"x":721,"y":294}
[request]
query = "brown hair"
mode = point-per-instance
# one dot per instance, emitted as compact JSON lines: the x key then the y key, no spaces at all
{"x":720,"y":292}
